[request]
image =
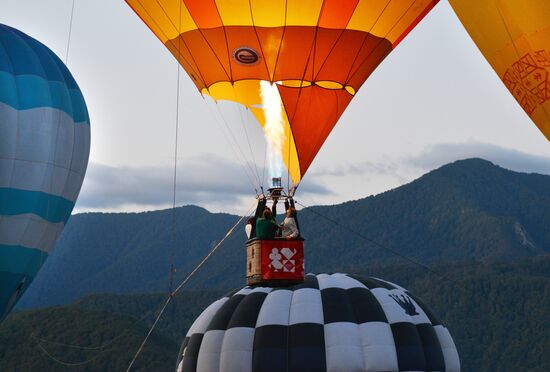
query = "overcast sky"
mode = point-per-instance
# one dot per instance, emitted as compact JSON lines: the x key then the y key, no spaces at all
{"x":432,"y":101}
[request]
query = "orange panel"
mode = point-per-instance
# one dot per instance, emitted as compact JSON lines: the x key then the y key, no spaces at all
{"x":352,"y":51}
{"x":337,"y":13}
{"x":204,"y":13}
{"x":371,"y":54}
{"x":295,"y":54}
{"x":312,"y":112}
{"x":210,"y":67}
{"x":270,"y":40}
{"x":179,"y":50}
{"x":243,"y":39}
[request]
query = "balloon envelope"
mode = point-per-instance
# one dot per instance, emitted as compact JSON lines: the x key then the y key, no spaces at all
{"x":328,"y":323}
{"x":44,"y":148}
{"x":319,"y":52}
{"x":514,"y":37}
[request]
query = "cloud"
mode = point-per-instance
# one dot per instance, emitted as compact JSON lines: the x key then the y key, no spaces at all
{"x":437,"y":155}
{"x":207,"y":180}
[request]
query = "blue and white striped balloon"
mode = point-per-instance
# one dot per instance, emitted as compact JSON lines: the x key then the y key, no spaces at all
{"x":44,"y":149}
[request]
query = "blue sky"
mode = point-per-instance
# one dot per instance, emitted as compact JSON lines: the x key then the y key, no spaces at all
{"x":432,"y":101}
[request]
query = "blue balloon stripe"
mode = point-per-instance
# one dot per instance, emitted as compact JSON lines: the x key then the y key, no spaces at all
{"x":26,"y":92}
{"x":21,"y":260}
{"x":22,"y":55}
{"x":51,"y":208}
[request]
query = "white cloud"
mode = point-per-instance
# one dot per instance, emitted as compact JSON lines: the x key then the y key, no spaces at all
{"x":437,"y":155}
{"x":207,"y":180}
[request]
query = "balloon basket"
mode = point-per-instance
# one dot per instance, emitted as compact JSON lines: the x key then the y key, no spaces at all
{"x":274,"y":262}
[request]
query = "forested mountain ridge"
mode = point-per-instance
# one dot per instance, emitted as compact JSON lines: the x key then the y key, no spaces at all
{"x":497,"y":314}
{"x":469,"y":210}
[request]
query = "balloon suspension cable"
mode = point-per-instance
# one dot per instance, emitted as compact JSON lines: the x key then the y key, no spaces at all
{"x":175,"y":172}
{"x":244,"y":125}
{"x":183,"y":282}
{"x":40,"y":262}
{"x":375,"y":243}
{"x":70,"y":33}
{"x":243,"y":162}
{"x":100,"y":349}
{"x":106,"y":345}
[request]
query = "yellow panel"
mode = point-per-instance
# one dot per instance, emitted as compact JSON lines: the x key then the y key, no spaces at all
{"x":390,"y":16}
{"x":514,"y":37}
{"x":247,"y":93}
{"x":295,"y":83}
{"x":268,"y":13}
{"x":329,"y":84}
{"x":366,"y":14}
{"x":485,"y":20}
{"x":303,"y":12}
{"x":234,"y":12}
{"x":148,"y":20}
{"x":162,"y":17}
{"x":350,"y":90}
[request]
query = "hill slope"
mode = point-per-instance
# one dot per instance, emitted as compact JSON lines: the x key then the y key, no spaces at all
{"x":496,"y":312}
{"x":470,"y":210}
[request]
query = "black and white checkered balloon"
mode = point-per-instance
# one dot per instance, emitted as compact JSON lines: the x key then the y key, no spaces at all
{"x":331,"y":322}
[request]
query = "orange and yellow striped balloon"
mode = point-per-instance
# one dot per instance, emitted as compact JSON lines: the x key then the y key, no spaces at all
{"x":319,"y":52}
{"x":514,"y":37}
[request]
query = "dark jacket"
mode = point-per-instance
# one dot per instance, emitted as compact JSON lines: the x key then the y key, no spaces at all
{"x":266,"y":228}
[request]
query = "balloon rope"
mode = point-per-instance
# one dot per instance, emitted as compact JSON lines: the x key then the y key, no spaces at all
{"x":175,"y":172}
{"x":183,"y":282}
{"x":233,"y":143}
{"x":42,"y":260}
{"x":70,"y":32}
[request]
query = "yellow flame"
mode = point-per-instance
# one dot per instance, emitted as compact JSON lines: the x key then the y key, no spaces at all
{"x":274,"y":128}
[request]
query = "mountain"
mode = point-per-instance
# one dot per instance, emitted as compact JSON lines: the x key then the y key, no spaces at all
{"x":496,"y":312}
{"x":469,"y":210}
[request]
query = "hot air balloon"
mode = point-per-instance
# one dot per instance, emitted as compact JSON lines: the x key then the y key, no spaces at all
{"x":44,"y":148}
{"x":328,"y":323}
{"x":317,"y":53}
{"x":514,"y":37}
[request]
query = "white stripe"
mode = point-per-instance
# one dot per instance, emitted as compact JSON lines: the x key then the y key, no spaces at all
{"x":390,"y":283}
{"x":450,"y":354}
{"x":394,"y":312}
{"x":337,"y":280}
{"x":236,"y":355}
{"x":209,"y":353}
{"x":36,"y":151}
{"x":243,"y":291}
{"x":275,"y":309}
{"x":201,"y":323}
{"x":29,"y":230}
{"x":306,"y":306}
{"x":32,"y":176}
{"x":343,"y":347}
{"x":378,"y":347}
{"x":261,"y":290}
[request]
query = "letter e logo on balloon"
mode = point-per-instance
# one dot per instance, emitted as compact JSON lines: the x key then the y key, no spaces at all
{"x":245,"y":56}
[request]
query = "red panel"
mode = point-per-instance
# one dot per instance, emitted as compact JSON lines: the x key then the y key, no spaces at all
{"x":312,"y":113}
{"x":282,"y":260}
{"x":416,"y":21}
{"x":337,"y":13}
{"x":204,"y":13}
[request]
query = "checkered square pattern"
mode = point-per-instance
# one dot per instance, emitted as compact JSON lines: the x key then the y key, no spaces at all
{"x":330,"y":322}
